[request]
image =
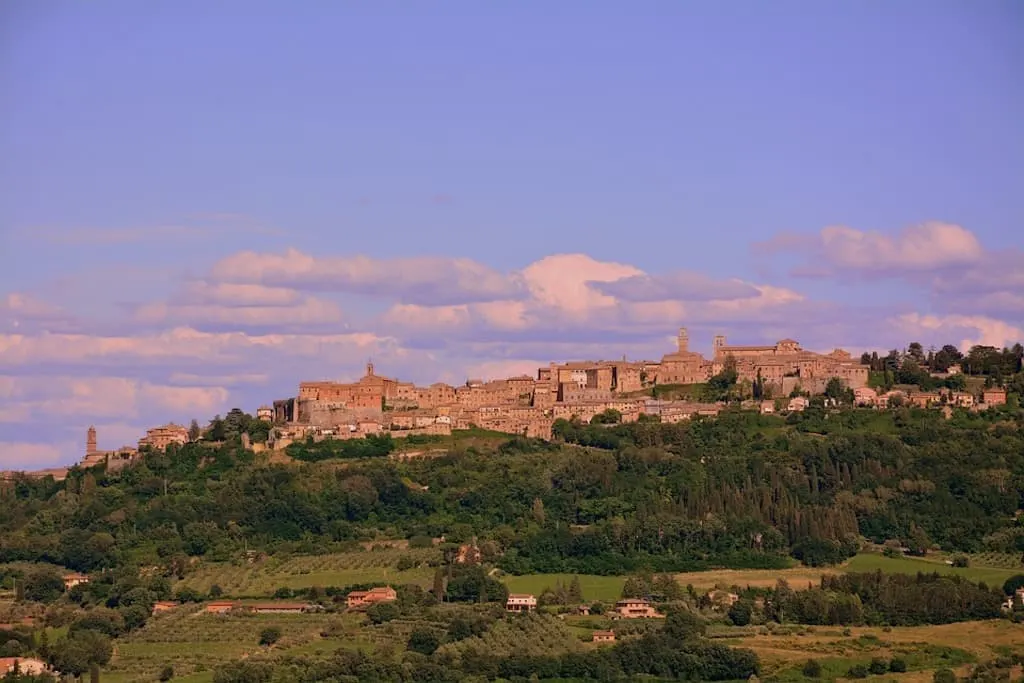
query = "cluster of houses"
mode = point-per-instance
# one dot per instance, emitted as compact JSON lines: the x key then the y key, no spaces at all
{"x":870,"y":398}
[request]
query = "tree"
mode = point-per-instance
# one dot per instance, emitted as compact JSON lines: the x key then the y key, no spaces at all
{"x":944,"y":676}
{"x":538,"y":511}
{"x":194,"y":431}
{"x":575,"y":595}
{"x":439,"y":584}
{"x":75,"y":654}
{"x":423,"y":641}
{"x":270,"y":635}
{"x":812,"y":668}
{"x":684,"y":625}
{"x":166,"y":673}
{"x":1013,"y":583}
{"x":741,"y":612}
{"x":383,"y":612}
{"x":43,"y":585}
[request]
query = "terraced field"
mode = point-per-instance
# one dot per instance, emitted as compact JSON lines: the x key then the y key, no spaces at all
{"x":339,"y":569}
{"x":523,"y":634}
{"x":194,"y":642}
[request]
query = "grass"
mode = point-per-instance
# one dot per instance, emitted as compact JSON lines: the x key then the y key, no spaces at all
{"x":869,"y":562}
{"x":798,"y":577}
{"x":595,"y":588}
{"x":194,"y":643}
{"x":923,"y":648}
{"x":337,"y":569}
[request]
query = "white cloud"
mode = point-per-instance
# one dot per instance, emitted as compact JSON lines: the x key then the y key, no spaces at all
{"x":971,"y":330}
{"x":428,"y":279}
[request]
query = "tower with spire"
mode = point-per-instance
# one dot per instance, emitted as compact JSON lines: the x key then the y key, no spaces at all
{"x":90,"y":441}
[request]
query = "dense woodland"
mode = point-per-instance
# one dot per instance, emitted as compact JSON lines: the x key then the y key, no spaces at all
{"x":740,"y":490}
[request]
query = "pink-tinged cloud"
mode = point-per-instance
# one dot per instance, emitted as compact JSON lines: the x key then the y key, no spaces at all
{"x":678,"y":286}
{"x":968,"y":330}
{"x":200,"y":292}
{"x":424,"y":280}
{"x":307,"y":312}
{"x":108,"y":397}
{"x":929,"y":246}
{"x":178,"y":345}
{"x":22,"y":455}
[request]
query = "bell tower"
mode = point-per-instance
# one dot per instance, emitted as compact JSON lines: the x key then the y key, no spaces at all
{"x":719,"y":344}
{"x":90,"y":441}
{"x":369,"y":368}
{"x":683,"y":340}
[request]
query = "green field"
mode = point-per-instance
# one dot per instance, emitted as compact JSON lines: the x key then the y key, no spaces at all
{"x":869,"y":562}
{"x":595,"y":588}
{"x":337,"y":569}
{"x":194,"y":642}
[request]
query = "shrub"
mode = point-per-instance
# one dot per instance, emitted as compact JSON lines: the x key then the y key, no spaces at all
{"x":383,"y":612}
{"x":897,"y":665}
{"x":167,"y":673}
{"x":405,"y":563}
{"x":423,"y":641}
{"x":421,"y":542}
{"x":812,"y":668}
{"x":283,"y":593}
{"x":944,"y":676}
{"x":269,"y":636}
{"x":216,"y":591}
{"x":857,"y":671}
{"x":878,"y":666}
{"x":961,"y":561}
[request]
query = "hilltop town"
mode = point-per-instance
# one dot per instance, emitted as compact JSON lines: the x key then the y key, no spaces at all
{"x":774,"y":378}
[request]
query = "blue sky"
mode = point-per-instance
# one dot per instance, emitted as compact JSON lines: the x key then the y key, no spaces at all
{"x":858,"y":164}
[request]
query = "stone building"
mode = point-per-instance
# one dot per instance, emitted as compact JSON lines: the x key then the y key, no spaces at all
{"x":159,"y":438}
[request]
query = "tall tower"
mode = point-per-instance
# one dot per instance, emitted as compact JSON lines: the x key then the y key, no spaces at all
{"x":369,"y":368}
{"x":719,"y":343}
{"x":683,"y":340}
{"x":90,"y":441}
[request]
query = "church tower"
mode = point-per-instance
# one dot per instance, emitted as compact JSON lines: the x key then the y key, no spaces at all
{"x":369,"y":369}
{"x":90,"y":441}
{"x":683,"y":340}
{"x":719,"y":344}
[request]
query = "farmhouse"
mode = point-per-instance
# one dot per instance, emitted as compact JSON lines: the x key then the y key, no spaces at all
{"x":220,"y":607}
{"x":635,"y":608}
{"x":521,"y":602}
{"x":73,"y":579}
{"x":24,"y":665}
{"x":720,"y":599}
{"x":281,"y":608}
{"x":163,"y":606}
{"x":358,"y":599}
{"x":604,"y":637}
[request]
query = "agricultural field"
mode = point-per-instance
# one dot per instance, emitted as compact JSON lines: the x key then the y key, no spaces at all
{"x":595,"y":588}
{"x":529,"y":634}
{"x":262,"y":578}
{"x":784,"y":650}
{"x":977,"y":571}
{"x":194,"y":642}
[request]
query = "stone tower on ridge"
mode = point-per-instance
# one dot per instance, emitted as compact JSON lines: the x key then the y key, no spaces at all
{"x":683,"y":340}
{"x":719,"y":343}
{"x":90,"y":441}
